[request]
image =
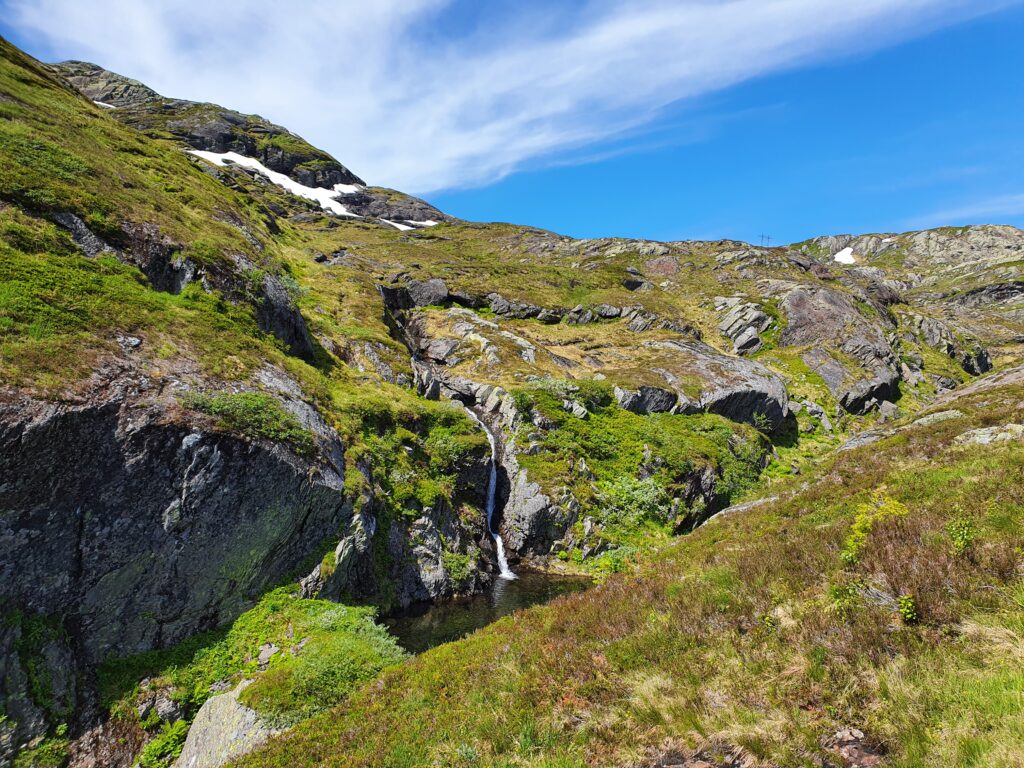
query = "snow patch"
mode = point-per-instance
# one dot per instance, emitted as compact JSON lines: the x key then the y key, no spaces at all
{"x":845,"y":256}
{"x":326,"y":197}
{"x":396,"y":225}
{"x":104,"y":105}
{"x":426,"y":223}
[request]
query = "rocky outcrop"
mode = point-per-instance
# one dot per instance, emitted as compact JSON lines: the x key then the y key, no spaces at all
{"x":84,"y":238}
{"x":742,"y":323}
{"x":207,"y":126}
{"x":822,"y":317}
{"x":98,"y":84}
{"x":147,"y":526}
{"x":277,"y":314}
{"x":971,"y":355}
{"x":647,"y":399}
{"x":158,"y":257}
{"x":145,"y":529}
{"x":223,"y":730}
{"x":990,"y":435}
{"x":379,"y":203}
{"x":734,"y":387}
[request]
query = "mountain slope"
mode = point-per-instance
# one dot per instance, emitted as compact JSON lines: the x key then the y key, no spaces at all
{"x":870,"y":611}
{"x":229,"y":365}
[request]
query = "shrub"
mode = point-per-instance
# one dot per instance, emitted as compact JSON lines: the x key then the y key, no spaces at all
{"x":963,"y":534}
{"x":628,"y":500}
{"x":162,"y":751}
{"x":880,"y":507}
{"x":322,"y":676}
{"x":908,"y":609}
{"x":457,"y":565}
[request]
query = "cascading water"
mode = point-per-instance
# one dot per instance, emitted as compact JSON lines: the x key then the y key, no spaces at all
{"x":492,"y":491}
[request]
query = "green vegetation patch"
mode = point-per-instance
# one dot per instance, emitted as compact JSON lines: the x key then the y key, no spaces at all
{"x":255,"y":415}
{"x":323,"y":650}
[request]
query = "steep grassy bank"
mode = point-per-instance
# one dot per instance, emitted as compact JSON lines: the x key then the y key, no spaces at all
{"x":883,"y":592}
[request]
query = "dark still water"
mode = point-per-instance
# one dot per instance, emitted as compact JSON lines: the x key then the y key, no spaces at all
{"x":423,"y":626}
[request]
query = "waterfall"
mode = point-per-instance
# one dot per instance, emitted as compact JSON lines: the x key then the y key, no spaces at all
{"x":492,"y":491}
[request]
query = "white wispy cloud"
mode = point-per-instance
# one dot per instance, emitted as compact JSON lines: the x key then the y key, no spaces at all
{"x":406,"y":97}
{"x":1001,"y":209}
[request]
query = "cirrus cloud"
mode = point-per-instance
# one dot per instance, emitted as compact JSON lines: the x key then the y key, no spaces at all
{"x":426,"y":95}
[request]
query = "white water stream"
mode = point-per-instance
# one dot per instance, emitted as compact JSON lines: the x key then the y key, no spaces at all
{"x":492,"y":491}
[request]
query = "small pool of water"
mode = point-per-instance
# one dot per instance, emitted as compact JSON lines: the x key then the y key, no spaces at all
{"x":422,"y":626}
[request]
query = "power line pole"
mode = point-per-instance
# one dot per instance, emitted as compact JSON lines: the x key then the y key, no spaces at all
{"x":766,"y":241}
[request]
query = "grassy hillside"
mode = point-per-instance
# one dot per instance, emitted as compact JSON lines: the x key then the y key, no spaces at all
{"x":882,"y":592}
{"x":879,"y":591}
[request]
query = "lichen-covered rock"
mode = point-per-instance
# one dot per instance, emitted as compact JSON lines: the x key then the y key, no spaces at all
{"x":988,"y":435}
{"x":223,"y":730}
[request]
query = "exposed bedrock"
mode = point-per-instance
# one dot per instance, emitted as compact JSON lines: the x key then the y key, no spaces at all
{"x":142,"y":531}
{"x":821,"y":317}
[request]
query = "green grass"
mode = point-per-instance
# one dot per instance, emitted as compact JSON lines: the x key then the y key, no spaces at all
{"x":255,"y":415}
{"x":730,"y":636}
{"x":325,"y":650}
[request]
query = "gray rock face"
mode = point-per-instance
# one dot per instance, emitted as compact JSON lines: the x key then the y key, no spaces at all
{"x":98,"y":84}
{"x":277,"y":314}
{"x":989,"y":435}
{"x":158,"y":256}
{"x":426,"y":292}
{"x":222,"y":731}
{"x":742,"y":323}
{"x":387,"y":204}
{"x":734,"y":387}
{"x":821,"y":316}
{"x":143,"y":532}
{"x":937,"y":334}
{"x":647,"y":399}
{"x":992,"y":294}
{"x":90,"y":244}
{"x":938,"y":417}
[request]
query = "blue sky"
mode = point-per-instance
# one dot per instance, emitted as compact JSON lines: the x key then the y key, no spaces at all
{"x":667,"y":119}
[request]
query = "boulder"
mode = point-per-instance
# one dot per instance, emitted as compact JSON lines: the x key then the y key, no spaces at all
{"x":646,"y":399}
{"x":427,"y":292}
{"x":223,"y":730}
